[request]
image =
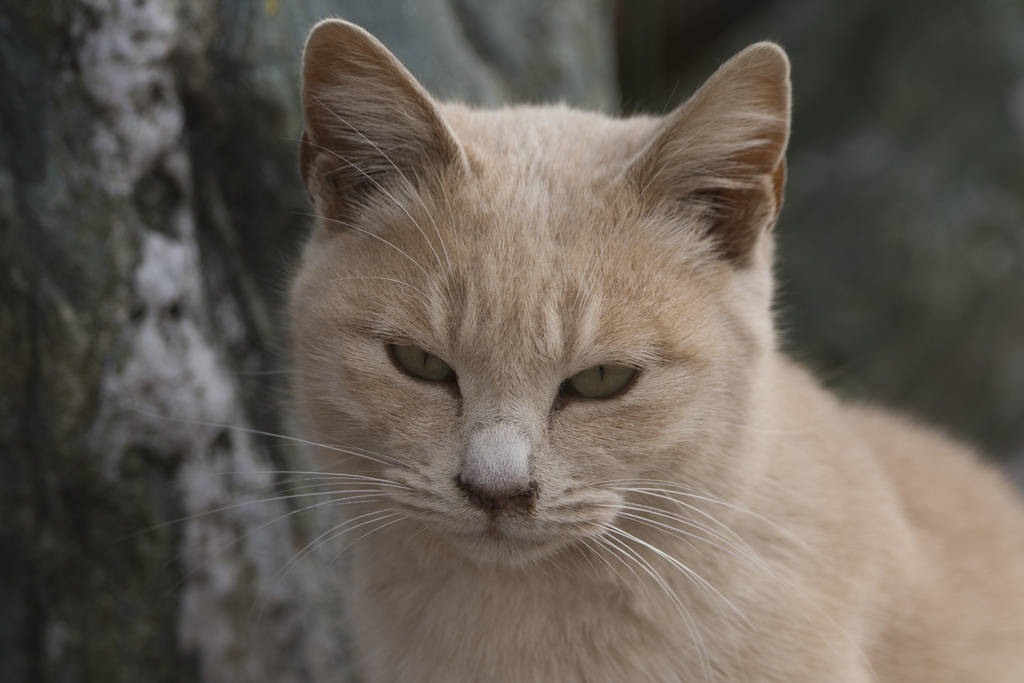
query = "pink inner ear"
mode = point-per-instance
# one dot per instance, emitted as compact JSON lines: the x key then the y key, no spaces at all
{"x":368,"y":121}
{"x":725,"y":146}
{"x":745,"y":215}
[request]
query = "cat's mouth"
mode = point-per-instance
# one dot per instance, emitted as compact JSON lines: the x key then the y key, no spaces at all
{"x":516,"y":540}
{"x":510,"y":536}
{"x":522,"y":529}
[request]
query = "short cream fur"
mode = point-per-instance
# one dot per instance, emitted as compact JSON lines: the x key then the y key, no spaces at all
{"x":721,"y":518}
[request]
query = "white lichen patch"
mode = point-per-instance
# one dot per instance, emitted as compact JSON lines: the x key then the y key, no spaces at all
{"x":123,"y":59}
{"x":244,"y":600}
{"x":247,"y":611}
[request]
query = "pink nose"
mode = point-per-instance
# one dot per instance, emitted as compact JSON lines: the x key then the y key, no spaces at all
{"x":496,"y":472}
{"x":509,"y":500}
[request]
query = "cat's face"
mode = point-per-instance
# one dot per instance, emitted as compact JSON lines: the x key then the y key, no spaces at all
{"x":509,"y":316}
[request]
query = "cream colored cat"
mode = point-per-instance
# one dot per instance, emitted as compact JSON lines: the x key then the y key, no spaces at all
{"x":544,"y":339}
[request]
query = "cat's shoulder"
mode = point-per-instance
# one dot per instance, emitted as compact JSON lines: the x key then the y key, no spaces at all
{"x":944,"y":482}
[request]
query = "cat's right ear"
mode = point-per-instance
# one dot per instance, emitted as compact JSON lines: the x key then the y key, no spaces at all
{"x":721,"y":154}
{"x":369,"y":124}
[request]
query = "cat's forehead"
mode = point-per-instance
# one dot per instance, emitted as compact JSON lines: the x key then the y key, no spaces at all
{"x":559,"y":145}
{"x":527,"y":270}
{"x":558,"y":309}
{"x":546,"y":185}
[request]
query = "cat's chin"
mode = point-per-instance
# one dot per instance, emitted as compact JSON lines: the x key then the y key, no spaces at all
{"x":488,"y":552}
{"x":498,"y":543}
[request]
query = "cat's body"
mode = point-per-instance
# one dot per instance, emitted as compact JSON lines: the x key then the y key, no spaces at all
{"x":717,"y":516}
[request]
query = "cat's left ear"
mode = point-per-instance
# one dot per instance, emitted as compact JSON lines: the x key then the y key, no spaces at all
{"x":369,"y":123}
{"x":723,"y":153}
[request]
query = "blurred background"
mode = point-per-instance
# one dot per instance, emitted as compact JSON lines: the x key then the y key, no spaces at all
{"x":151,"y":211}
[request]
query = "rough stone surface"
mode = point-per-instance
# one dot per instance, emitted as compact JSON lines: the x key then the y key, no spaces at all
{"x":150,"y":208}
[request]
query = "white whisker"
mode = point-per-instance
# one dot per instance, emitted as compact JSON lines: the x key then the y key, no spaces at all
{"x":673,"y":596}
{"x":604,"y":544}
{"x":327,"y":536}
{"x":385,"y":191}
{"x":372,"y":531}
{"x":355,"y":499}
{"x":408,"y":183}
{"x":710,"y":590}
{"x":745,"y":552}
{"x":258,"y":432}
{"x":374,"y":236}
{"x":667,"y":494}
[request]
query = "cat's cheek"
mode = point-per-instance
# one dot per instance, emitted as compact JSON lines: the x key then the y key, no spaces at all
{"x":386,"y":409}
{"x":417,"y":425}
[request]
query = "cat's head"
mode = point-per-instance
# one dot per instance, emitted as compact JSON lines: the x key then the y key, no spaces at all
{"x":512,"y":314}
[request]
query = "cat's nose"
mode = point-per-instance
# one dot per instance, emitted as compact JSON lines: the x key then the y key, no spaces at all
{"x":496,"y":466}
{"x":522,"y":500}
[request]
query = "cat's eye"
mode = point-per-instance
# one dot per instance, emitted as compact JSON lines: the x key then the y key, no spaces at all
{"x":419,"y":363}
{"x":600,"y":381}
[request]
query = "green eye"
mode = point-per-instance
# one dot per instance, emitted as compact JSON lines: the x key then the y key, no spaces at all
{"x":421,"y":364}
{"x":599,"y":381}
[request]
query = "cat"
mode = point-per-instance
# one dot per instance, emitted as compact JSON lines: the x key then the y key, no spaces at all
{"x":538,"y":346}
